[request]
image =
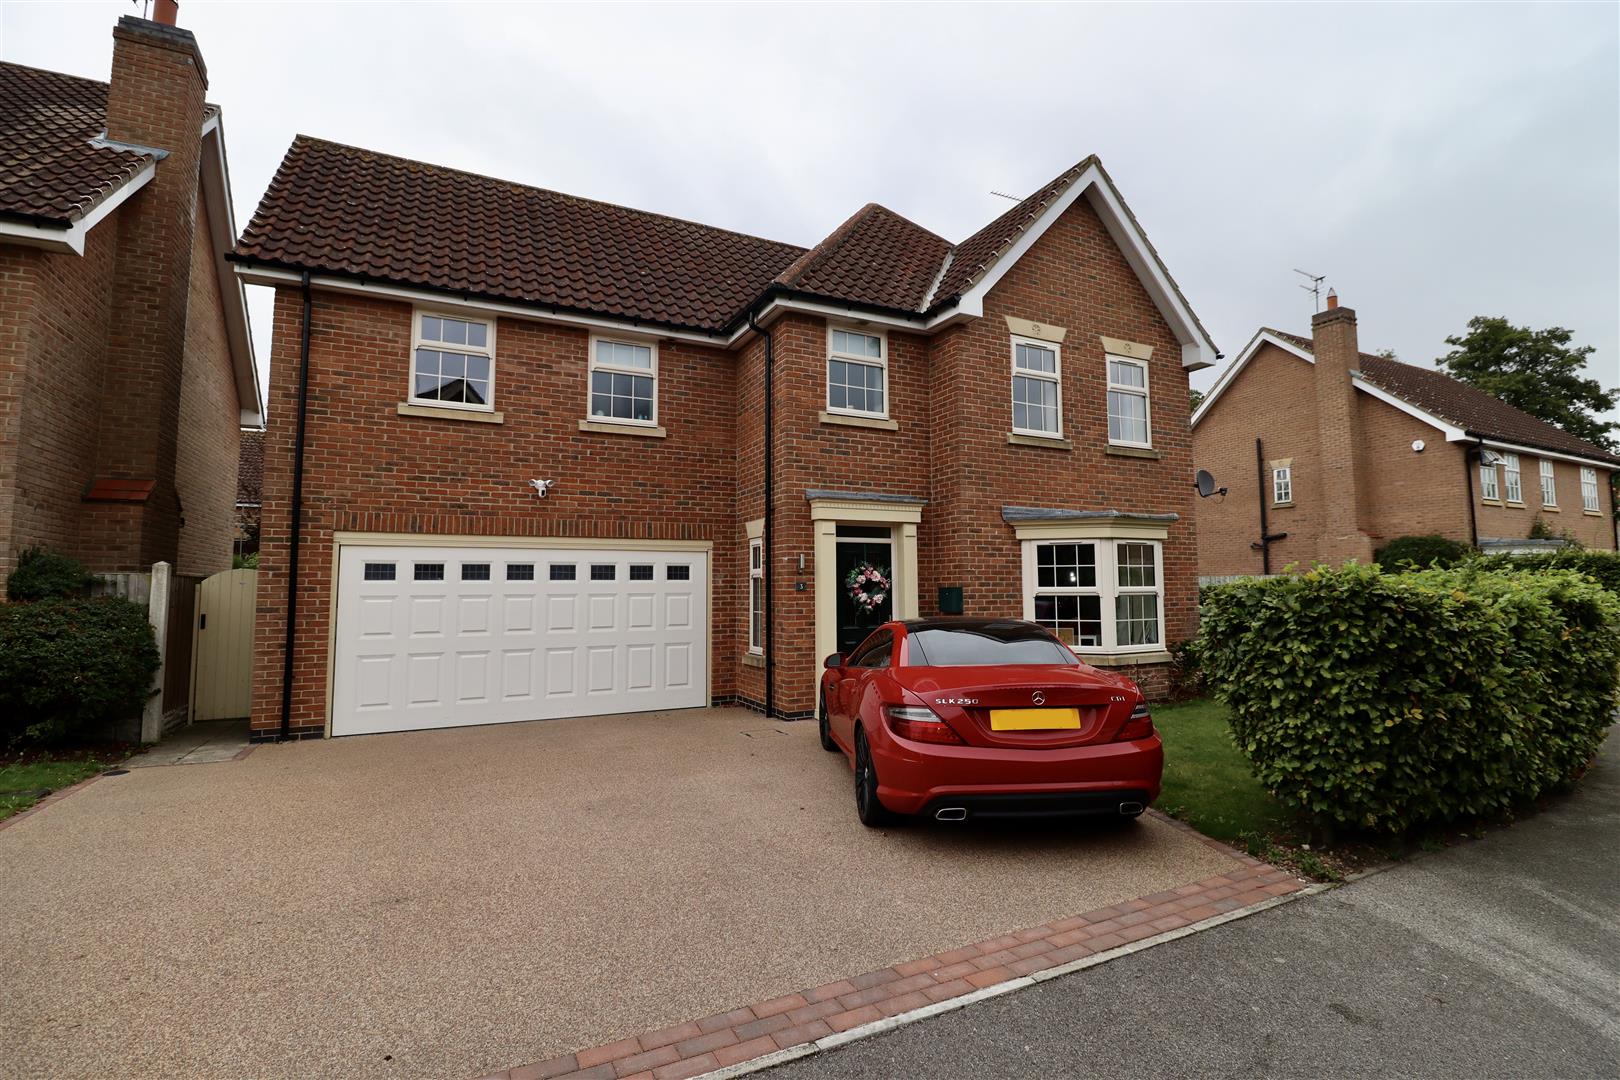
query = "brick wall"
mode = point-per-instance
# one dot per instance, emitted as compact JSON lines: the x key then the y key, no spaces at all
{"x":368,"y":469}
{"x":60,"y":336}
{"x":209,"y":440}
{"x":1407,"y":493}
{"x":1503,"y":520}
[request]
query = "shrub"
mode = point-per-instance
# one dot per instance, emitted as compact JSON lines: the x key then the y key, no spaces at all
{"x":1601,"y":566}
{"x":70,"y":664}
{"x":42,"y":574}
{"x":1406,"y":552}
{"x":1385,"y":701}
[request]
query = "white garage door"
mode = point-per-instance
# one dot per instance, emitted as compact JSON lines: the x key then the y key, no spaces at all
{"x":443,"y":637}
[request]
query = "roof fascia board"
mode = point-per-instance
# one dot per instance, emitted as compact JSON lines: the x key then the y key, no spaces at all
{"x":1197,"y":351}
{"x":780,"y":305}
{"x":1531,"y":451}
{"x":254,"y":274}
{"x":1452,"y":432}
{"x":1232,"y":370}
{"x":216,"y":183}
{"x":71,"y":239}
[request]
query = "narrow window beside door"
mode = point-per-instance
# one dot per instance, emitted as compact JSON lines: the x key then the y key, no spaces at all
{"x":756,"y":597}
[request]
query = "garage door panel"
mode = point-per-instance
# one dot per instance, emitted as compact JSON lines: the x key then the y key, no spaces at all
{"x":433,"y":637}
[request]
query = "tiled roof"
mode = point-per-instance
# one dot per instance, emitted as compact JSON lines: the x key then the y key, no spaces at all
{"x":344,"y":209}
{"x":876,"y":257}
{"x":978,"y":252}
{"x":250,"y":469}
{"x":48,"y":169}
{"x":1465,"y":406}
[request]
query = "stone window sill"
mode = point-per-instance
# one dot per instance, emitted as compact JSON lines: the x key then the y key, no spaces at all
{"x":1592,"y":513}
{"x":1134,"y":451}
{"x":433,"y":413}
{"x":1490,"y":502}
{"x":1283,"y":505}
{"x":753,"y":660}
{"x":1551,"y":509}
{"x":1124,"y":659}
{"x":1015,"y":439}
{"x":875,"y":422}
{"x":640,"y":430}
{"x":1514,"y":505}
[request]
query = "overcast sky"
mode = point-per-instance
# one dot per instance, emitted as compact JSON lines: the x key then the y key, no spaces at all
{"x":1434,"y":161}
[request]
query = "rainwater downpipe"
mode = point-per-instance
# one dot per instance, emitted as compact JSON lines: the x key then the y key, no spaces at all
{"x":1469,"y":461}
{"x":296,"y":530}
{"x":768,"y":546}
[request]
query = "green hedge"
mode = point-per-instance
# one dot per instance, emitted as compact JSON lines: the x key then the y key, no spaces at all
{"x":1421,"y":552}
{"x":1382,"y":702}
{"x":1601,"y":566}
{"x":68,"y":665}
{"x":43,"y":575}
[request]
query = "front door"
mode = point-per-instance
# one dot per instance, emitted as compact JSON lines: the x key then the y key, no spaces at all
{"x":863,"y":548}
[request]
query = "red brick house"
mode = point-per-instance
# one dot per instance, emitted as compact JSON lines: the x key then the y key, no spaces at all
{"x":560,"y":457}
{"x":126,"y":368}
{"x":1332,"y":453}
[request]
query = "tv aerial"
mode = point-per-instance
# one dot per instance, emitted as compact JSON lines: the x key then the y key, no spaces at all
{"x":1315,"y":286}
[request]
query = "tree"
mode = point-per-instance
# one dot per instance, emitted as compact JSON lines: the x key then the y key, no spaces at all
{"x":1193,"y":398}
{"x":1534,"y":370}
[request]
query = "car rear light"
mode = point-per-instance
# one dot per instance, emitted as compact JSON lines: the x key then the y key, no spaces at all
{"x":919,"y":724}
{"x":1139,"y":726}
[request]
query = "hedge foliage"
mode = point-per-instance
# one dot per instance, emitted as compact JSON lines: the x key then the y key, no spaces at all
{"x":1421,"y":552}
{"x":68,"y":665}
{"x":42,"y":575}
{"x":1381,"y":702}
{"x":1601,"y":566}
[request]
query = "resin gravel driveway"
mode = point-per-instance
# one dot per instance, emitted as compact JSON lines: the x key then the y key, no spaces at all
{"x":444,"y":904}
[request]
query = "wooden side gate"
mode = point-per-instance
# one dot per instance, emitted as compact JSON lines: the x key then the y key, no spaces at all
{"x":222,"y":657}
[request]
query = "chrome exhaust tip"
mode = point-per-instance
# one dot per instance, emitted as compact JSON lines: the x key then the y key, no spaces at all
{"x":951,"y":813}
{"x":1131,"y":809}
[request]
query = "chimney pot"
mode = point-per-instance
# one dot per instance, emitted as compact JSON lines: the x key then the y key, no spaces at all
{"x":166,"y":12}
{"x":1333,"y":300}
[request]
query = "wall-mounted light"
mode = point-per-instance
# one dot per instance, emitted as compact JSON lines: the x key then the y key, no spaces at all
{"x":1417,"y":446}
{"x":541,"y":486}
{"x":801,"y":562}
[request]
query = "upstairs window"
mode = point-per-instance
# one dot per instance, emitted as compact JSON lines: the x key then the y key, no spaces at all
{"x":1035,"y":384}
{"x":1589,"y":489}
{"x":1549,"y":486}
{"x":624,"y":382}
{"x":1510,"y":474}
{"x":1282,"y":485}
{"x":1128,"y":423}
{"x":857,"y":374}
{"x":1489,"y":489}
{"x":453,"y":362}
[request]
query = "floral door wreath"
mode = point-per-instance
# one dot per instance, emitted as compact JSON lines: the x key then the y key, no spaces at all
{"x":868,"y":587}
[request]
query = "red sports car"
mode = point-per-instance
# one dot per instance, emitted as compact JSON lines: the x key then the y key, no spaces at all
{"x":953,"y":718}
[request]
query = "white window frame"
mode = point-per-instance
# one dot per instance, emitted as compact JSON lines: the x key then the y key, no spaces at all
{"x":1490,"y":488}
{"x":881,"y":361}
{"x":417,"y":315}
{"x":756,"y":595}
{"x":1590,"y":501}
{"x":1282,"y":485}
{"x":1144,"y":392}
{"x":1055,"y":378}
{"x":1107,"y":589}
{"x":1512,"y":479}
{"x":1549,"y":484}
{"x":592,"y":366}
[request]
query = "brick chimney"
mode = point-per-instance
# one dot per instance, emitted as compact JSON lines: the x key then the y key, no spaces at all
{"x":154,"y":105}
{"x":1333,"y":342}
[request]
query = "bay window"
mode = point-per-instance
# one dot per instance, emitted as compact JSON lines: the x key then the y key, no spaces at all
{"x":1097,"y":595}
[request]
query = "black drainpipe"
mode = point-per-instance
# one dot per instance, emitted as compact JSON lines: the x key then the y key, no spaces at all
{"x":297,"y":517}
{"x":1267,"y":537}
{"x":767,"y":554}
{"x":1469,"y":459}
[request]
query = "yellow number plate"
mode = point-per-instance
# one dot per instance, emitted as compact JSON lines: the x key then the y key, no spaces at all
{"x":1033,"y":719}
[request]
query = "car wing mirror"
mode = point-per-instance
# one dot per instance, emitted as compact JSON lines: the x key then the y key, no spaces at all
{"x":836,"y":660}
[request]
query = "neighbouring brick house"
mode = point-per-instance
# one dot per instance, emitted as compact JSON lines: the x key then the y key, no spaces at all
{"x":126,"y":368}
{"x":249,"y":491}
{"x":535,"y":458}
{"x":1343,"y":452}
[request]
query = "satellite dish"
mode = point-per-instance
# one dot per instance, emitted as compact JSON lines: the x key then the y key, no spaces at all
{"x":1206,"y":485}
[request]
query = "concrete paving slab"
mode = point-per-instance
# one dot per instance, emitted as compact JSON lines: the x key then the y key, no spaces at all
{"x":196,"y":744}
{"x":444,"y":904}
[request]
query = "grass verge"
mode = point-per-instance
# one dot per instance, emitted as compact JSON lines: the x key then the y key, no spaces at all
{"x":24,"y":782}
